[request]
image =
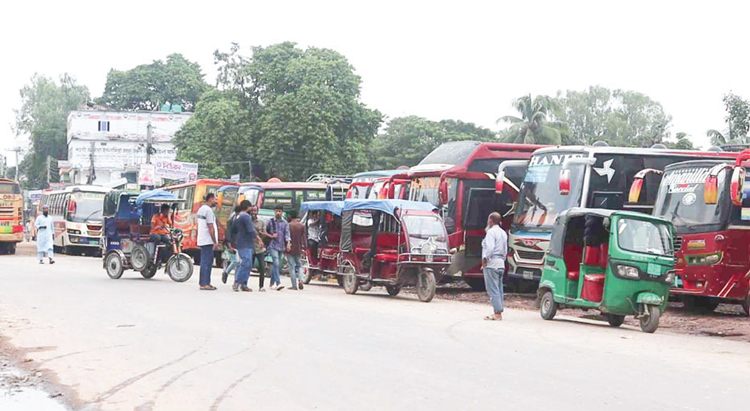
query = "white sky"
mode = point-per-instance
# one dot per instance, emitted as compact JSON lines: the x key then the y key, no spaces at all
{"x":462,"y":60}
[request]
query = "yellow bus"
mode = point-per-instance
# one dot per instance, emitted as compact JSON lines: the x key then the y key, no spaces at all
{"x":77,"y":215}
{"x":11,"y":216}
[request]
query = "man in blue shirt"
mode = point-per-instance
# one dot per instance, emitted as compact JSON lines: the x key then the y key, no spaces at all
{"x":278,"y":230}
{"x":245,"y":240}
{"x":494,"y":250}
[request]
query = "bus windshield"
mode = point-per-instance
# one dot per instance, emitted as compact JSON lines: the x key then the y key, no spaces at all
{"x":9,"y":188}
{"x":680,"y":200}
{"x":453,"y":153}
{"x":88,"y":207}
{"x":540,"y":200}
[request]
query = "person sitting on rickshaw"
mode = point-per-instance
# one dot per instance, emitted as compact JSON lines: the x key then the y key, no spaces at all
{"x":160,"y":224}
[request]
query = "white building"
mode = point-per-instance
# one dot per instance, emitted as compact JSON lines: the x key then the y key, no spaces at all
{"x":116,"y":142}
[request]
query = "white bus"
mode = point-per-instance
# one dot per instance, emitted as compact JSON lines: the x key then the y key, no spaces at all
{"x":77,"y":215}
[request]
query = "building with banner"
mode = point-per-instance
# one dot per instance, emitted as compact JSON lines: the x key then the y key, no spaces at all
{"x":105,"y":146}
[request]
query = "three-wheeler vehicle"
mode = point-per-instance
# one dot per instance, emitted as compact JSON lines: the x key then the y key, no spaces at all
{"x":126,"y":242}
{"x":322,"y":261}
{"x":620,"y":263}
{"x":392,"y":243}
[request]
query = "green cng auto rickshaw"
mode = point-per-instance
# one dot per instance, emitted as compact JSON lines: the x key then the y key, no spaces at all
{"x":618,"y":262}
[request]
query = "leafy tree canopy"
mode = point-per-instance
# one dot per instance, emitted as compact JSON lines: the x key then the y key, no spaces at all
{"x":536,"y":124}
{"x":146,"y":87}
{"x":301,"y":113}
{"x":738,"y":122}
{"x":45,"y":105}
{"x":619,"y":117}
{"x":407,"y":140}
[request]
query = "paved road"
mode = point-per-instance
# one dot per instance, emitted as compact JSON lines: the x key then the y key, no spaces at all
{"x":135,"y":344}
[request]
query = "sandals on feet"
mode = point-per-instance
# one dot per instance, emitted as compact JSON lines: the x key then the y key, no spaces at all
{"x":208,"y":287}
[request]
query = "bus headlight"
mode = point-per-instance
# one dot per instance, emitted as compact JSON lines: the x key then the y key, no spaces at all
{"x":627,"y":271}
{"x":703,"y":259}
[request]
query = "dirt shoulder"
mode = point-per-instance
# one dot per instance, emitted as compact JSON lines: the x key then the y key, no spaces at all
{"x":727,"y":321}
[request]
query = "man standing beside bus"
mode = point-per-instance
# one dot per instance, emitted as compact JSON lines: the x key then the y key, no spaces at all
{"x":294,"y":253}
{"x":278,"y":230}
{"x":45,"y":236}
{"x":245,"y":244}
{"x":259,"y":253}
{"x":494,"y":250}
{"x":207,"y":235}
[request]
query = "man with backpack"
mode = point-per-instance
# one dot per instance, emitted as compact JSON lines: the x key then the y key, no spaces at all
{"x":245,"y":244}
{"x":230,"y":245}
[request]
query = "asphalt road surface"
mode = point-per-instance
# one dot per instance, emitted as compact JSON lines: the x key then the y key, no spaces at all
{"x":136,"y":344}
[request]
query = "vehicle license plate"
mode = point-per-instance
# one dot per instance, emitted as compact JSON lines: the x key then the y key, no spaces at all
{"x":528,"y":275}
{"x":654,"y":269}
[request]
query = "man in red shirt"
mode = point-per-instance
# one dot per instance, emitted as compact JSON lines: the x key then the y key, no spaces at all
{"x":294,"y":253}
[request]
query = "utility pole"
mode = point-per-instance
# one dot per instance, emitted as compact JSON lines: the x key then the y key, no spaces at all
{"x":149,"y":143}
{"x":49,"y":164}
{"x":17,"y":150}
{"x":92,"y":169}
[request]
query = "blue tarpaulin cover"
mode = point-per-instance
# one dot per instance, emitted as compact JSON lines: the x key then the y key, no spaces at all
{"x":333,"y":207}
{"x":388,"y":206}
{"x":157,"y":195}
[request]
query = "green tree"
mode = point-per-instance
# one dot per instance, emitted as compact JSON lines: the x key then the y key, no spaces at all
{"x":537,"y":124}
{"x":301,"y":113}
{"x":146,"y":87}
{"x":737,"y":119}
{"x":618,"y":117}
{"x":45,"y":105}
{"x":407,"y":140}
{"x":683,"y":142}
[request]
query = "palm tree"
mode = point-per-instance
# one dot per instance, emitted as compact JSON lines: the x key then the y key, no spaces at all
{"x":716,"y":137}
{"x":534,"y":126}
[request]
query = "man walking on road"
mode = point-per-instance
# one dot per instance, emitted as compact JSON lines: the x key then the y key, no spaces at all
{"x":494,"y":250}
{"x":278,"y":230}
{"x":245,"y":243}
{"x":259,"y":253}
{"x":207,"y":236}
{"x":294,"y":254}
{"x":230,"y":245}
{"x":45,"y":236}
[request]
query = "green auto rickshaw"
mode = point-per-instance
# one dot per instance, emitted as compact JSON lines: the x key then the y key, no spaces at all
{"x":620,"y":263}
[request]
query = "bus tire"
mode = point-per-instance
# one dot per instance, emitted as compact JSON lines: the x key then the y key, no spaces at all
{"x":476,"y":284}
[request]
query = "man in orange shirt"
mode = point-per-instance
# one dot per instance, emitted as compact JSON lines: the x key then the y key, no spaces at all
{"x":159,"y":226}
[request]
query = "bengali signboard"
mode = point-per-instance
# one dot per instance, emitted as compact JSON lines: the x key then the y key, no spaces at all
{"x":177,"y":170}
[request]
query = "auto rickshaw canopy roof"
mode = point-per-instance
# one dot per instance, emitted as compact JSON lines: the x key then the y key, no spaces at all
{"x":158,"y":195}
{"x":387,"y":206}
{"x":333,"y":207}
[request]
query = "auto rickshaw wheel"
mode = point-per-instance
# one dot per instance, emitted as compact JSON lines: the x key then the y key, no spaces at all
{"x":650,"y":318}
{"x":113,"y":264}
{"x":180,"y":268}
{"x":349,"y":280}
{"x":307,"y":272}
{"x":139,"y":257}
{"x":393,"y":290}
{"x":365,"y":286}
{"x":150,"y":271}
{"x":426,"y":285}
{"x":340,"y":280}
{"x":548,"y":306}
{"x":615,"y":320}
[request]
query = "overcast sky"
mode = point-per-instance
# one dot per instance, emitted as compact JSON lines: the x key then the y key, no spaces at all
{"x":461,"y":60}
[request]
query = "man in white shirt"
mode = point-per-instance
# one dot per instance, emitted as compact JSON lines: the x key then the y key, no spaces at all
{"x":207,"y":238}
{"x":494,"y":250}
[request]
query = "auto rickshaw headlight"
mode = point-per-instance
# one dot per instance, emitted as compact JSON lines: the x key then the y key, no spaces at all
{"x":627,"y":271}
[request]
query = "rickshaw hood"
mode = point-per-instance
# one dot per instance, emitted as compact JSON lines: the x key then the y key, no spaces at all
{"x":387,"y":206}
{"x":155,"y":195}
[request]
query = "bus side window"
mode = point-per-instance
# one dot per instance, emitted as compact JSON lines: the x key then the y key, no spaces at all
{"x":189,"y":196}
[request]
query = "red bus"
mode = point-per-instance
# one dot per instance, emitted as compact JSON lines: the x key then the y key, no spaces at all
{"x":459,"y":179}
{"x":195,"y":194}
{"x":708,"y":204}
